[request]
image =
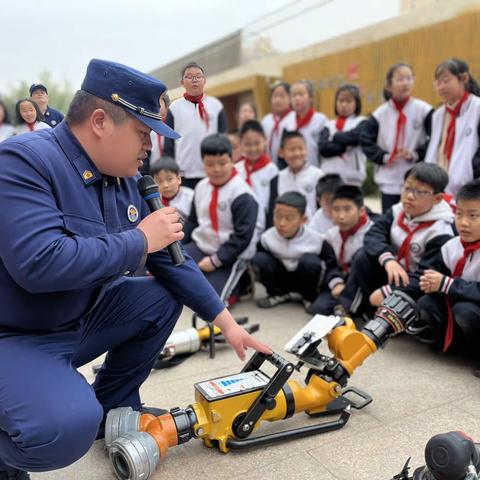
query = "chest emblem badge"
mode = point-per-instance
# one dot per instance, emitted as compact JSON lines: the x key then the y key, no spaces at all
{"x":132,"y":213}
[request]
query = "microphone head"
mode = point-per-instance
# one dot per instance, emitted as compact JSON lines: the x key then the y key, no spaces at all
{"x":146,"y":185}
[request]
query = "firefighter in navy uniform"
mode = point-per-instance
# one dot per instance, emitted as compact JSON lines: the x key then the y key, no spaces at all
{"x":73,"y":226}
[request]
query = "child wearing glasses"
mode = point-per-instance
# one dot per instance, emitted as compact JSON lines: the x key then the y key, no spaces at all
{"x":412,"y":230}
{"x":194,"y":116}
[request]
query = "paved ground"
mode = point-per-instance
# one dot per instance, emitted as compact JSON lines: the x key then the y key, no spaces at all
{"x":417,"y":393}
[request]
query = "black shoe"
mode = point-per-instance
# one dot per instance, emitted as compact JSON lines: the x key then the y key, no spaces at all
{"x":12,"y":474}
{"x":158,"y":412}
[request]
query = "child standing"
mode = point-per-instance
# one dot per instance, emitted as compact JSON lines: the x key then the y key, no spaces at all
{"x":305,"y":119}
{"x":410,"y":231}
{"x":222,"y":225}
{"x":346,"y":238}
{"x":291,"y":255}
{"x":274,"y":122}
{"x":454,"y":141}
{"x":166,"y":174}
{"x":299,"y":176}
{"x":394,"y":136}
{"x":29,"y":117}
{"x":339,"y":141}
{"x":327,"y":185}
{"x":256,"y":168}
{"x":451,"y":282}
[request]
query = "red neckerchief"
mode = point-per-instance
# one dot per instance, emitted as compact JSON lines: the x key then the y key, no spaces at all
{"x":160,"y":143}
{"x":304,"y":121}
{"x":346,"y":235}
{"x":276,"y":126}
{"x":262,"y":161}
{"x":450,"y":140}
{"x":212,"y":208}
{"x":468,"y":249}
{"x":31,"y":126}
{"x":400,"y":132}
{"x":166,"y":201}
{"x":340,"y":123}
{"x":201,"y":107}
{"x":404,"y":250}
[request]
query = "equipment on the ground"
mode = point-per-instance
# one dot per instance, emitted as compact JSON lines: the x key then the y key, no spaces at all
{"x":184,"y":343}
{"x":229,"y":409}
{"x":448,"y":456}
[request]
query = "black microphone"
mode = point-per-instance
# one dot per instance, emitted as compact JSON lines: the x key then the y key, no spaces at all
{"x":149,"y":191}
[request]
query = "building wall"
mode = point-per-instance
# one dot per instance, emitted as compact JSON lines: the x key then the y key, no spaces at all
{"x":366,"y":65}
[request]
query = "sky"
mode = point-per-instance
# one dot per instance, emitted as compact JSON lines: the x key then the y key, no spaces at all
{"x":61,"y":36}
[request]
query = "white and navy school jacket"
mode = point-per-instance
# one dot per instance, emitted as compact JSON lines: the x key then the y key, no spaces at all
{"x":377,"y":139}
{"x":385,"y":237}
{"x":273,"y":138}
{"x":23,"y":128}
{"x":320,"y":222}
{"x":182,"y":201}
{"x":184,"y":117}
{"x":304,"y":182}
{"x":238,"y":228}
{"x":261,"y":181}
{"x":311,"y":133}
{"x":465,"y":159}
{"x":6,"y":131}
{"x":290,"y":250}
{"x":340,"y":151}
{"x":465,"y":288}
{"x":352,"y":244}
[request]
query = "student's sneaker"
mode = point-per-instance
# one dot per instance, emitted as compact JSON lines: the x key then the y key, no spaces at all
{"x":416,"y":327}
{"x":12,"y":474}
{"x":274,"y":300}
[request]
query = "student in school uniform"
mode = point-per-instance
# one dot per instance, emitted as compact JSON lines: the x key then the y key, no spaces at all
{"x":395,"y":135}
{"x":256,"y":167}
{"x":454,"y":141}
{"x":299,"y":176}
{"x":29,"y":117}
{"x":451,"y":281}
{"x":346,"y":238}
{"x":322,"y":220}
{"x":305,"y":119}
{"x":292,"y":258}
{"x":223,"y":224}
{"x":273,"y":123}
{"x":410,"y":231}
{"x":158,"y":141}
{"x":166,"y":174}
{"x":338,"y":147}
{"x":193,"y":116}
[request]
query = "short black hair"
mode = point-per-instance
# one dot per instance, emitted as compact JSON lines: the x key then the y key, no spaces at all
{"x":355,"y":92}
{"x":165,"y":163}
{"x":293,"y":199}
{"x":470,"y":191}
{"x":84,"y":104}
{"x":20,"y":120}
{"x":252,"y":125}
{"x":349,"y":192}
{"x":6,"y":115}
{"x":286,"y":136}
{"x":216,"y":144}
{"x":429,"y":173}
{"x":328,"y":184}
{"x":191,"y":65}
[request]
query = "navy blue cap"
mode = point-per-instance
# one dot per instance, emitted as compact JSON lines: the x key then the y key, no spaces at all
{"x":38,"y":86}
{"x":126,"y":87}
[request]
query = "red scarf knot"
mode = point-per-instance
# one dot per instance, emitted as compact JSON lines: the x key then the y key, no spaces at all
{"x":250,"y":168}
{"x":400,"y":131}
{"x":201,"y":107}
{"x":213,"y":206}
{"x":304,"y":121}
{"x":450,"y":138}
{"x":346,"y":235}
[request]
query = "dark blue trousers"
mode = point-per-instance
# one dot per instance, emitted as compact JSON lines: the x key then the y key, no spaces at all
{"x":49,"y":414}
